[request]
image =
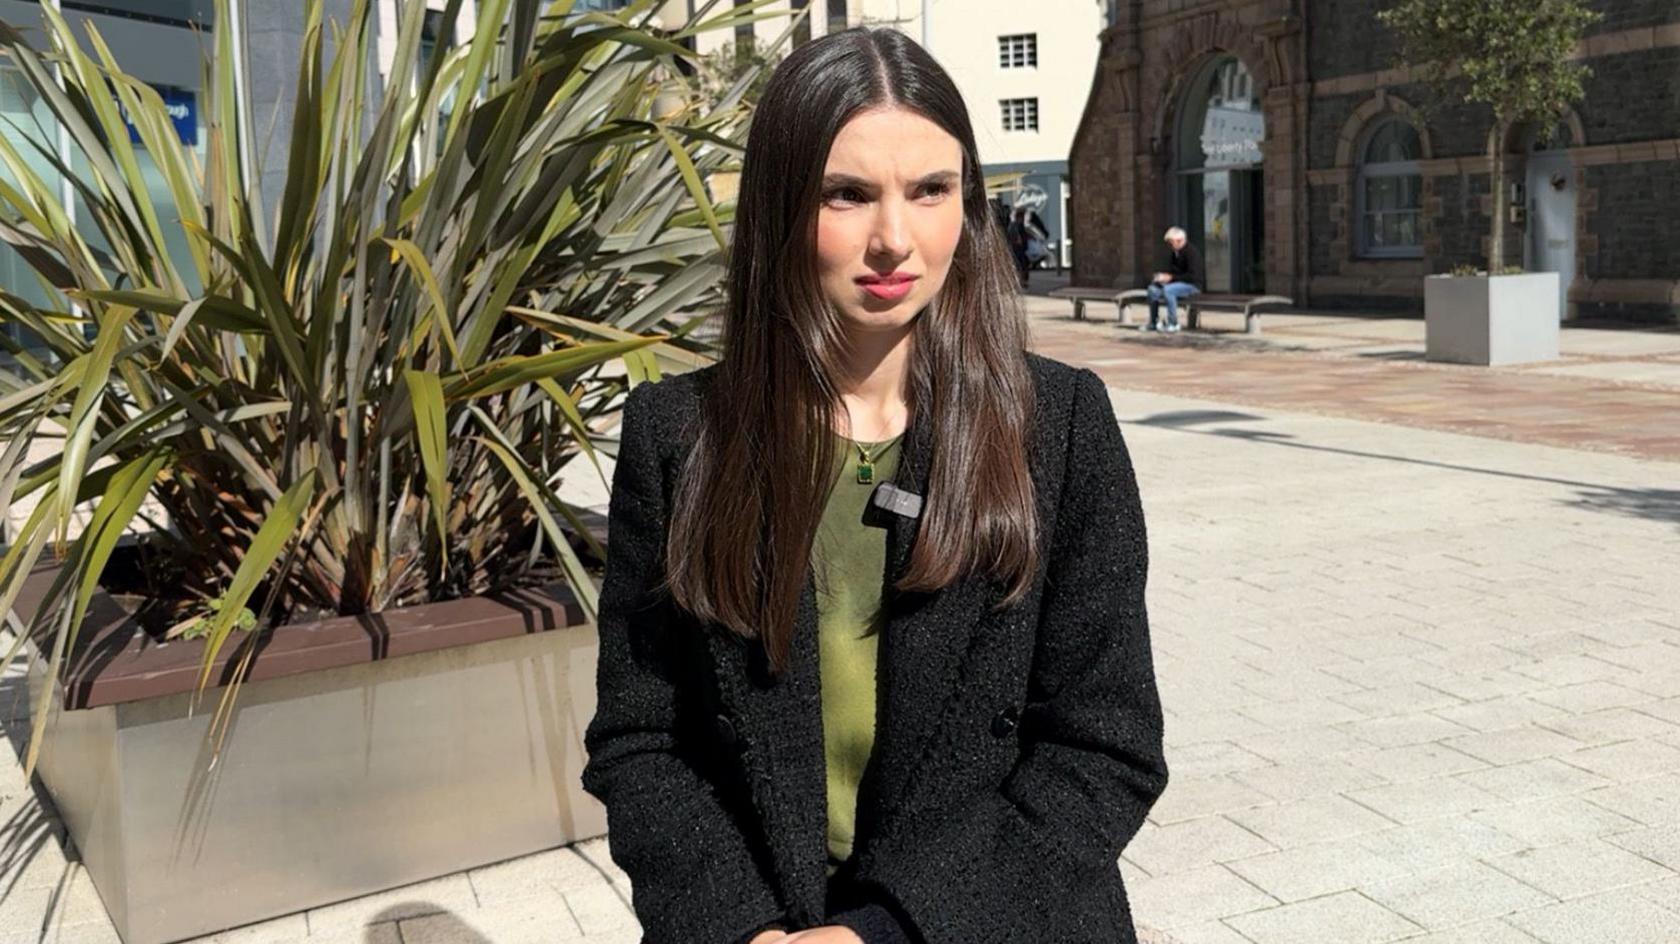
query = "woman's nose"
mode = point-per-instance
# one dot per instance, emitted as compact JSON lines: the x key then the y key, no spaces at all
{"x":891,"y":236}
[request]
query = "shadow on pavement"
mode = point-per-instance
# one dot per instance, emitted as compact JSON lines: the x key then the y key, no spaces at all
{"x":1180,"y":419}
{"x":1651,"y":504}
{"x":442,"y":927}
{"x":1654,"y":504}
{"x":31,"y":823}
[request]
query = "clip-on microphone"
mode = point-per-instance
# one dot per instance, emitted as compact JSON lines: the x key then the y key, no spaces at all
{"x":889,"y":498}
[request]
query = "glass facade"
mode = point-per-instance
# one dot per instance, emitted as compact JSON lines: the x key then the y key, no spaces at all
{"x":29,"y":127}
{"x":158,"y":41}
{"x":200,"y":13}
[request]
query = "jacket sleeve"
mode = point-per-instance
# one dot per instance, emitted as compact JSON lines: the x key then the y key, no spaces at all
{"x":1091,"y":762}
{"x":692,"y":874}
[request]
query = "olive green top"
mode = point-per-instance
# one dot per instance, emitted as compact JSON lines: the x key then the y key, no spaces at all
{"x":849,"y":565}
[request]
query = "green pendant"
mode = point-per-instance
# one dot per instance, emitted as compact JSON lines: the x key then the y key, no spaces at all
{"x":865,"y":473}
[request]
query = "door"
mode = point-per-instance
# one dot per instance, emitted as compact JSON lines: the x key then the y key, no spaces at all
{"x":1248,"y":217}
{"x":1216,"y":229}
{"x":1551,"y":220}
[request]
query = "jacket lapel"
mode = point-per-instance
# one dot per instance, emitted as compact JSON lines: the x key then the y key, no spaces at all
{"x":925,"y":636}
{"x":924,"y":640}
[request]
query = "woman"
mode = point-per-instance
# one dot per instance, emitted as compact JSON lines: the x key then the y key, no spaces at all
{"x":875,"y":586}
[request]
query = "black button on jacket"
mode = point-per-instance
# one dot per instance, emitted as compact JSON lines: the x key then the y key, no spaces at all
{"x":1017,"y":751}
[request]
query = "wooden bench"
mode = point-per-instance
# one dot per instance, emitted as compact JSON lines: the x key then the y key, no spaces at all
{"x":1079,"y":295}
{"x":1191,"y":307}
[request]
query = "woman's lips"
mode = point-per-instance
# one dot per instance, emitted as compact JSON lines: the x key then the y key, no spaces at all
{"x":889,"y":288}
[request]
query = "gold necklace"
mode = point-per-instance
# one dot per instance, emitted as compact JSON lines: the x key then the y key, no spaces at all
{"x":866,"y":463}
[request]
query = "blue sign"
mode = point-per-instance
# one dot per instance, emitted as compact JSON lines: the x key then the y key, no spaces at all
{"x":182,"y":105}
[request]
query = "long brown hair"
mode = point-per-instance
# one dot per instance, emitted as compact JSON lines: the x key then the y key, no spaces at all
{"x":752,"y":489}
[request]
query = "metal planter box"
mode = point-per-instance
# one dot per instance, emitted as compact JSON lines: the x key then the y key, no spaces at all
{"x":1491,"y":320}
{"x":364,"y":754}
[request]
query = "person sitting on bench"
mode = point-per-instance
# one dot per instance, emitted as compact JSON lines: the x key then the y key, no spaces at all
{"x":1181,"y":277}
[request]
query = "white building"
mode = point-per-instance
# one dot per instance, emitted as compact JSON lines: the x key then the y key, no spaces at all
{"x":1024,"y":70}
{"x":1019,"y":66}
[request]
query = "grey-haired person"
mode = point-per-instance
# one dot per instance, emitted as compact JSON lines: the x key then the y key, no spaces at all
{"x":1181,"y":276}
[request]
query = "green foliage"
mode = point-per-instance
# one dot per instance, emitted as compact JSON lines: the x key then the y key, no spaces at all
{"x":199,"y":627}
{"x":1466,"y":270}
{"x":1515,"y":56}
{"x":369,"y":402}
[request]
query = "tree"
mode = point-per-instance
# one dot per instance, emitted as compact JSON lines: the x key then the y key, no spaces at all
{"x":1514,"y":56}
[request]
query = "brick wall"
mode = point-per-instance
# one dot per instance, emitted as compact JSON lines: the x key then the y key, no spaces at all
{"x":1344,"y":38}
{"x":1462,"y":225}
{"x":1325,"y":120}
{"x":1633,"y":14}
{"x":1324,"y":207}
{"x":1633,"y":97}
{"x":1634,"y":225}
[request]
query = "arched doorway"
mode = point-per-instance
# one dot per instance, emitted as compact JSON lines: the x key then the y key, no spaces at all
{"x":1218,"y":194}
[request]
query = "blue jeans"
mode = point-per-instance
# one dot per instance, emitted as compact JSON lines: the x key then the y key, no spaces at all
{"x":1169,"y":292}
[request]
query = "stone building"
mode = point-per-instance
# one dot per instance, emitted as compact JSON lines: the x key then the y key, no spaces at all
{"x":1306,"y":160}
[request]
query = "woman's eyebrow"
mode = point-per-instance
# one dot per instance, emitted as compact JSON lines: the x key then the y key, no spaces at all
{"x":845,"y":180}
{"x":848,"y":180}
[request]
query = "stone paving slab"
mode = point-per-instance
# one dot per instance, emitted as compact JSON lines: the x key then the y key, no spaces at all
{"x":1516,"y":763}
{"x":1651,"y":371}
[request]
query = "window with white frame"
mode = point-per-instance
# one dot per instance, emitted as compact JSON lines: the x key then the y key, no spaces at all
{"x":1390,"y":192}
{"x":1020,"y":114}
{"x":1018,"y":51}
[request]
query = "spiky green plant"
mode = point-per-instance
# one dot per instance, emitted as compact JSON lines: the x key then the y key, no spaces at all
{"x":368,"y":403}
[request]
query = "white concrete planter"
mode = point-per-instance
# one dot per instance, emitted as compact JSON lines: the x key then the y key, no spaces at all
{"x":335,"y":782}
{"x":1489,"y":320}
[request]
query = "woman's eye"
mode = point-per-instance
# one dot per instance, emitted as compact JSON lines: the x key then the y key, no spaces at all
{"x":843,"y":195}
{"x":936,"y":190}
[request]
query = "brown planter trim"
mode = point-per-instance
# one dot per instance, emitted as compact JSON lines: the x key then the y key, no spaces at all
{"x":116,"y":662}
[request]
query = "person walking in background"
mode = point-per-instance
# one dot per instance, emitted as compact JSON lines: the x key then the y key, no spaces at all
{"x":1038,"y":239}
{"x":1181,"y":276}
{"x":1019,"y":237}
{"x":1029,"y":242}
{"x":963,"y":515}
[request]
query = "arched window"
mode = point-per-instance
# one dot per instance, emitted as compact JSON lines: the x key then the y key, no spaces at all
{"x":1390,"y":192}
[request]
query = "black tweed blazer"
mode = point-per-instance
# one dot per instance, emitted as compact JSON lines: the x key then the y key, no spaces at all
{"x":1016,"y":754}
